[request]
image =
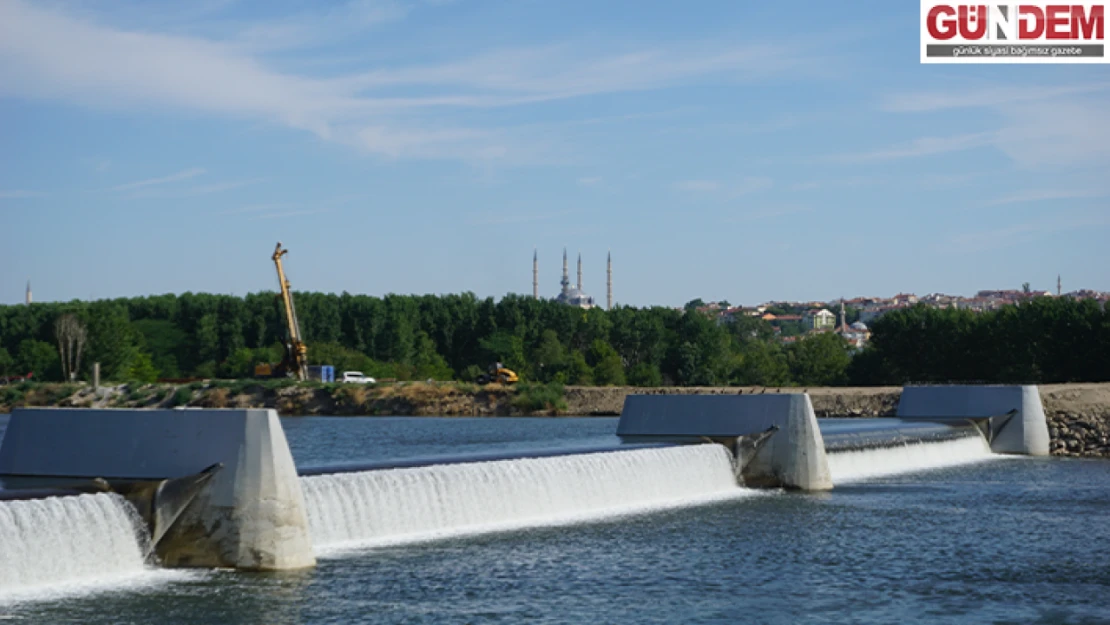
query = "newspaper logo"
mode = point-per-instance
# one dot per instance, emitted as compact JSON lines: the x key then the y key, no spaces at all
{"x":1031,"y":32}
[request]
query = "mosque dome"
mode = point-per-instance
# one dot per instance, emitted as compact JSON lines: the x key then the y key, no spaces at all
{"x":575,"y":297}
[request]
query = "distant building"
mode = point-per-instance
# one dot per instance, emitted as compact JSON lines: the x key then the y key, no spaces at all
{"x":573,"y":296}
{"x":856,"y":334}
{"x":609,"y":281}
{"x":820,"y":319}
{"x":29,"y":298}
{"x":905,"y":299}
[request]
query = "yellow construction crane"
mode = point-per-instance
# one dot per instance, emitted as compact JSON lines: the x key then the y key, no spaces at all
{"x":295,"y":362}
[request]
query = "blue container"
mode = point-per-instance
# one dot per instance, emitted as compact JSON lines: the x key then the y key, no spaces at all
{"x":322,"y":373}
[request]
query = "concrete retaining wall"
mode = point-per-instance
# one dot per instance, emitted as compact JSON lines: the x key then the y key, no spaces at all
{"x":252,"y":514}
{"x":793,"y":457}
{"x":1025,"y":433}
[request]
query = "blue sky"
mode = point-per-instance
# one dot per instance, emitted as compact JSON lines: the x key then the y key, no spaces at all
{"x":741,"y":150}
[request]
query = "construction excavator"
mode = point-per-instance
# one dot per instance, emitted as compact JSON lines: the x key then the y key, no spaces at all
{"x":294,"y":364}
{"x":498,"y":373}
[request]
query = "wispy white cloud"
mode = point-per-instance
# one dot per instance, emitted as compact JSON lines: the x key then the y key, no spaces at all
{"x":838,"y":182}
{"x":902,"y":181}
{"x":280,"y":210}
{"x":217,"y":187}
{"x":53,"y":54}
{"x":771,"y":125}
{"x":744,"y":186}
{"x":258,"y":208}
{"x":423,"y":143}
{"x":527,"y":75}
{"x":984,"y":97}
{"x":697,"y":186}
{"x":945,"y":181}
{"x":1069,"y":133}
{"x":184,"y":174}
{"x":1039,"y":195}
{"x":924,"y":146}
{"x":1024,"y":232}
{"x":495,"y":218}
{"x":195,"y":190}
{"x":327,"y":24}
{"x":589,"y":181}
{"x":1053,"y":126}
{"x":290,"y":213}
{"x":97,"y":164}
{"x":19,"y":194}
{"x":768,"y":212}
{"x":750,"y":184}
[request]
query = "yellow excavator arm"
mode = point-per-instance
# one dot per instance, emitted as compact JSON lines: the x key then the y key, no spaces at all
{"x":296,"y":352}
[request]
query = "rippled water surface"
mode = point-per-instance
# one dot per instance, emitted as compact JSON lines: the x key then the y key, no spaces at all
{"x":1011,"y":541}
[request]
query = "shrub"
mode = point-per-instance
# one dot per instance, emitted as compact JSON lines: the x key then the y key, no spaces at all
{"x":534,"y":397}
{"x":14,"y":393}
{"x":136,"y":392}
{"x":56,"y":394}
{"x":278,"y":383}
{"x":471,"y":373}
{"x":181,"y":396}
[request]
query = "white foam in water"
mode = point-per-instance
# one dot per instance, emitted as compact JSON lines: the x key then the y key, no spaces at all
{"x":358,"y":510}
{"x":864,"y":464}
{"x":62,"y":546}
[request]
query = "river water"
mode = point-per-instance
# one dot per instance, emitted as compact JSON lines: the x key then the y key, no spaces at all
{"x":1009,"y":540}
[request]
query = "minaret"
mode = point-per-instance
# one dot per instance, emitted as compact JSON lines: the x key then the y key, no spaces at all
{"x":566,"y":272}
{"x":1058,"y":287}
{"x":535,"y":275}
{"x":843,"y":317}
{"x":28,"y":292}
{"x":579,"y":271}
{"x":609,"y":282}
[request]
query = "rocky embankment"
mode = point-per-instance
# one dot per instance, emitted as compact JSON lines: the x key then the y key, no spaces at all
{"x":1078,"y":419}
{"x":1078,"y":414}
{"x":827,"y":402}
{"x":289,"y":399}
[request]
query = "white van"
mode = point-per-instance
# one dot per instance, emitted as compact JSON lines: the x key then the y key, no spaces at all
{"x":356,"y":377}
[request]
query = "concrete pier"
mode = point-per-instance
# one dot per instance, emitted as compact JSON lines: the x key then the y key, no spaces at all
{"x":792,"y":457}
{"x":1014,"y":414}
{"x":250,"y":516}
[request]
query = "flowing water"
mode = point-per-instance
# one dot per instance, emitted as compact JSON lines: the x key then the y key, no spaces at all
{"x":405,"y":505}
{"x":71,"y":545}
{"x":847,"y":467}
{"x":933,"y":535}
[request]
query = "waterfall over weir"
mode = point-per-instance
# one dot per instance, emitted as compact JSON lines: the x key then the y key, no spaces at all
{"x":350,"y":510}
{"x":853,"y":465}
{"x":60,"y":544}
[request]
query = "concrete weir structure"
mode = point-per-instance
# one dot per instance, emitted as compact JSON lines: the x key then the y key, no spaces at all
{"x":250,"y":515}
{"x":775,"y":438}
{"x":1011,"y":417}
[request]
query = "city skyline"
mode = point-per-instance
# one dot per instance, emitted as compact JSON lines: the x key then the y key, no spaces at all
{"x":538,"y":291}
{"x":727,"y":151}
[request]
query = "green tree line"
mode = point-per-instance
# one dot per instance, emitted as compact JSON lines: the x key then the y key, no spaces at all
{"x":415,"y":337}
{"x":1040,"y":340}
{"x":457,"y":336}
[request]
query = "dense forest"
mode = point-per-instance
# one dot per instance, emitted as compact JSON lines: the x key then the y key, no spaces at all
{"x":456,"y":336}
{"x":1043,"y":339}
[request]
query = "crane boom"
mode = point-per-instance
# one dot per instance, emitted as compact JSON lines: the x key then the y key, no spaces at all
{"x":296,"y":352}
